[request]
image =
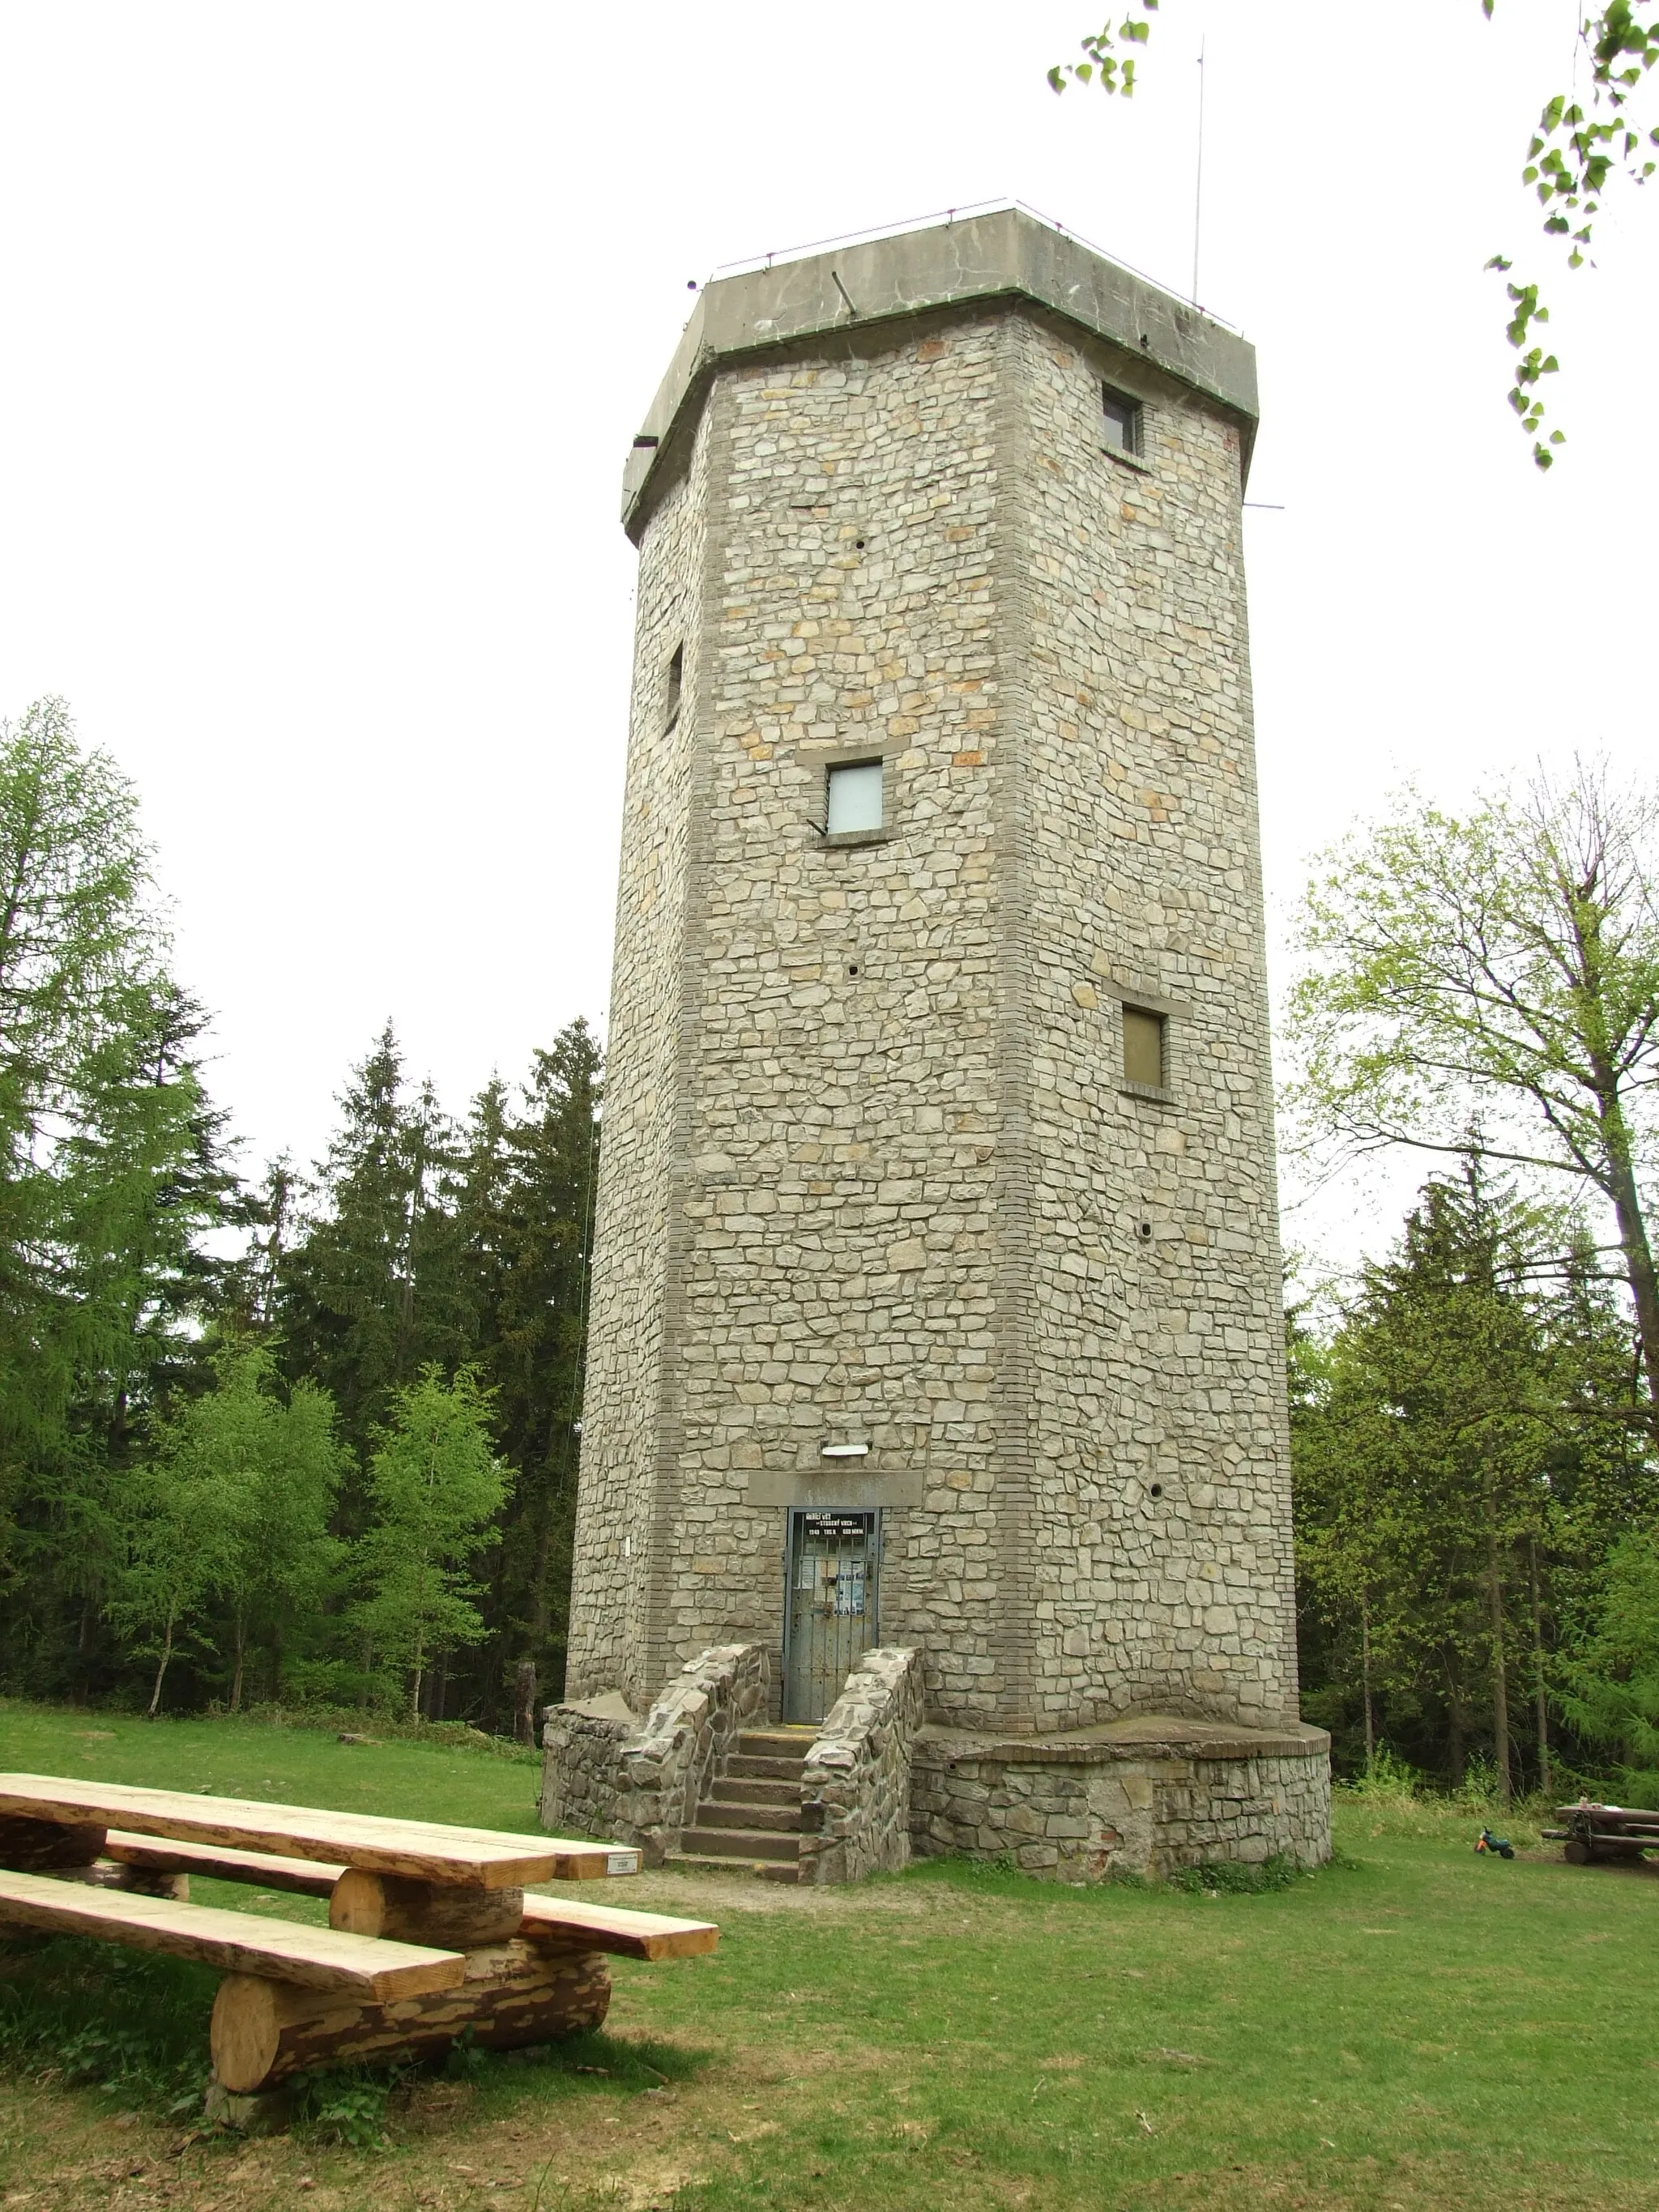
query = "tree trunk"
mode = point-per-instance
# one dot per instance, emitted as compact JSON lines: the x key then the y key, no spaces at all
{"x":166,"y":1653}
{"x":236,"y":1678}
{"x":1633,"y":1240}
{"x":524,"y":1704}
{"x":84,"y":1655}
{"x":1365,"y":1678}
{"x":515,"y":1994}
{"x":1539,"y":1688}
{"x":1456,"y":1720}
{"x":1500,"y":1688}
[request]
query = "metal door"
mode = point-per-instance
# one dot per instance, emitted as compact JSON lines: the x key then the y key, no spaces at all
{"x":835,"y":1565}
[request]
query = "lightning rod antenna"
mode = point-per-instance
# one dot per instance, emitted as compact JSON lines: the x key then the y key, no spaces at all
{"x":1198,"y":186}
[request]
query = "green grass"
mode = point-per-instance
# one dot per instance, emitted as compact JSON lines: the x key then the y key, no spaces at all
{"x":1413,"y":2028}
{"x":477,"y":1785}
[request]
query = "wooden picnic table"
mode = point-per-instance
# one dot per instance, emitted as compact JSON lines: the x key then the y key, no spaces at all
{"x":481,"y":1858}
{"x":430,"y":1933}
{"x":1604,"y":1832}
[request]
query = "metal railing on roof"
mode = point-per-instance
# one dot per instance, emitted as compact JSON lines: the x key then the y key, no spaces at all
{"x":942,"y":218}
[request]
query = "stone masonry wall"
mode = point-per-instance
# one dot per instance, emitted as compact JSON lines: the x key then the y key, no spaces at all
{"x":1162,"y":1524}
{"x":618,"y":1500}
{"x":1086,"y":1821}
{"x":838,"y":1271}
{"x":668,"y":1764}
{"x":870,"y":1173}
{"x":855,"y":1786}
{"x":582,"y":1786}
{"x":641,"y":1782}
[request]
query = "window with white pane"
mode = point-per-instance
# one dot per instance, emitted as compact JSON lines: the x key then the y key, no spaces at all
{"x":854,"y":799}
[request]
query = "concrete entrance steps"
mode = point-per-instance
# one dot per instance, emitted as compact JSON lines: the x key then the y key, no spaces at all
{"x":751,"y":1817}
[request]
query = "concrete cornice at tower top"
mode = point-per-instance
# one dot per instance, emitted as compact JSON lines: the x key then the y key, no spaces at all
{"x":1007,"y":254}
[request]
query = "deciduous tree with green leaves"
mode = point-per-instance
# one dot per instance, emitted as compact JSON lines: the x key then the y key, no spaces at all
{"x":436,"y":1487}
{"x":283,"y":1561}
{"x":1488,"y":984}
{"x":181,"y":1516}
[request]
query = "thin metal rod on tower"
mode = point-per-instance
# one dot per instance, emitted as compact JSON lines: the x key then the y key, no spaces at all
{"x":1198,"y":186}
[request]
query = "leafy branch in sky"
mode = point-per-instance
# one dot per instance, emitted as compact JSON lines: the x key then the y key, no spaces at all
{"x":1573,"y":155}
{"x":1100,"y":60}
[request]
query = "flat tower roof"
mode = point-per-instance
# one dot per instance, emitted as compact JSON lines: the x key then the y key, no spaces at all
{"x":1009,"y":253}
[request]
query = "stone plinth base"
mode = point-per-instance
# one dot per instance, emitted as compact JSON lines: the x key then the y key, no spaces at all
{"x":1138,"y":1796}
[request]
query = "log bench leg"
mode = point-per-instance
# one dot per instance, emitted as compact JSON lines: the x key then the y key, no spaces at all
{"x":43,"y":1846}
{"x":139,"y":1881}
{"x":1615,"y":1851}
{"x":446,"y":1915}
{"x":515,"y":1994}
{"x":268,"y":2113}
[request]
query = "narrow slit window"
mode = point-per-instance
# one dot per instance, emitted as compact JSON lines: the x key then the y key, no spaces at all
{"x":1143,"y":1047}
{"x":676,"y":680}
{"x":1120,"y":417}
{"x":855,"y":799}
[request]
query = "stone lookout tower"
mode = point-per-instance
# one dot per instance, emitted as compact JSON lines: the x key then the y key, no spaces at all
{"x":936,"y":1304}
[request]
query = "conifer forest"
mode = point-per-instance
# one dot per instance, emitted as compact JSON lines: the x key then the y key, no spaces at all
{"x":306,"y":1439}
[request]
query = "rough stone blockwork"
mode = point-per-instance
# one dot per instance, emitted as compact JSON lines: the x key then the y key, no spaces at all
{"x":581,"y":1772}
{"x":642,"y":1784}
{"x":1083,"y":1812}
{"x":855,"y":1790}
{"x":877,"y":1173}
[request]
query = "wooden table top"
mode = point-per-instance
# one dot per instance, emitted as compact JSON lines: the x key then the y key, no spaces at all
{"x":478,"y":1858}
{"x":1610,"y":1816}
{"x":235,"y":1942}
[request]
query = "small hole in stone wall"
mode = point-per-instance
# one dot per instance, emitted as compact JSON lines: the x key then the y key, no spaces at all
{"x":852,"y":967}
{"x":858,"y":544}
{"x":1157,"y":1490}
{"x":1144,"y":1230}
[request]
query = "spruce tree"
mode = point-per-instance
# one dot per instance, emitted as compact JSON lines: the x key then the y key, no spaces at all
{"x":370,"y":1290}
{"x":1462,"y":1457}
{"x":528,"y":1211}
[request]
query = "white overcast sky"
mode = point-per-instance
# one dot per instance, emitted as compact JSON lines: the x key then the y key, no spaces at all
{"x":327,"y":328}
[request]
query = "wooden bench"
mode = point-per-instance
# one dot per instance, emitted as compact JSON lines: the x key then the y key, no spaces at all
{"x":431,"y":1932}
{"x":1617,"y":1832}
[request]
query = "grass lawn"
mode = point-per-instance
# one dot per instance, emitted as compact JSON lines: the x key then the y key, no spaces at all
{"x":477,"y":1788}
{"x":1413,"y":2029}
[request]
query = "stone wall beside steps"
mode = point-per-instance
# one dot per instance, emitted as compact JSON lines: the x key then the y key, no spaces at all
{"x":1142,"y":1796}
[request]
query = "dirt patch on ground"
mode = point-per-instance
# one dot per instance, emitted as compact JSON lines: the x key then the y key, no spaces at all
{"x":708,"y":1897}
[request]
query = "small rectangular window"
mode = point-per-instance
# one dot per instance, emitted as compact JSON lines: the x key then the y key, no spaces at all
{"x":1143,"y":1047}
{"x":1121,"y":417}
{"x":855,"y":799}
{"x":676,"y":679}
